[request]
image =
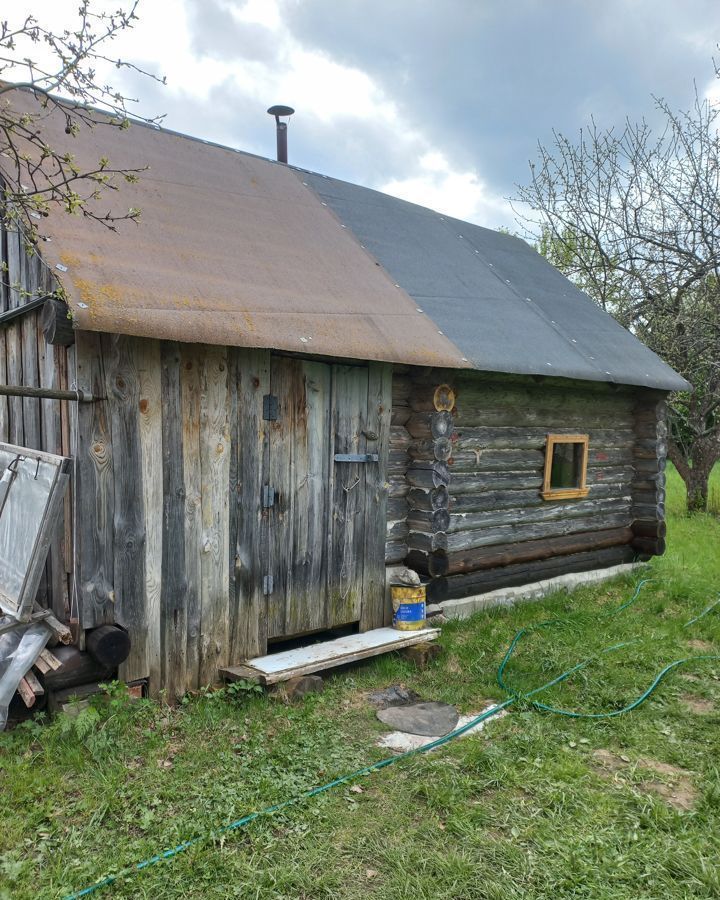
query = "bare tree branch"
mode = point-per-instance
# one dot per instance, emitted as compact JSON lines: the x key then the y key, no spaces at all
{"x":633,"y":217}
{"x":35,"y":176}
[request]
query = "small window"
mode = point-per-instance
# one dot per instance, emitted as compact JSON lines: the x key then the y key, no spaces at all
{"x":566,"y":457}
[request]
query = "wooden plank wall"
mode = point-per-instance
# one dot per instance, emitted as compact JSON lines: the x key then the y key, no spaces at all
{"x":476,"y":519}
{"x":171,"y":540}
{"x":26,"y":360}
{"x":155,"y":462}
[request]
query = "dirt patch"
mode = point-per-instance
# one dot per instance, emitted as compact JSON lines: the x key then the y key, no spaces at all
{"x":698,"y":705}
{"x":688,"y":676}
{"x":681,"y":795}
{"x":703,"y":646}
{"x":675,"y":787}
{"x":609,"y":760}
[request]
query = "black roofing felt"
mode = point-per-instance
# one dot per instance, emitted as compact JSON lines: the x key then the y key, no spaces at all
{"x":494,"y":296}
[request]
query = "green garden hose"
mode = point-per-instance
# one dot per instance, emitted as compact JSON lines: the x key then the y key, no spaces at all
{"x":515,"y":697}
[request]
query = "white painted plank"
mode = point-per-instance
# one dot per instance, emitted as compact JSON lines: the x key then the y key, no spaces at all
{"x":379,"y":640}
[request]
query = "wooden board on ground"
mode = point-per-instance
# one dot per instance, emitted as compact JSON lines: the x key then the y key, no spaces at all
{"x":304,"y":660}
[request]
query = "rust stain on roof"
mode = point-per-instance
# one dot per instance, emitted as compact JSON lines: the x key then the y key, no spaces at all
{"x":230,"y":249}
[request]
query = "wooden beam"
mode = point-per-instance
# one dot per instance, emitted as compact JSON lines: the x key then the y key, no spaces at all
{"x":10,"y":314}
{"x":17,"y":390}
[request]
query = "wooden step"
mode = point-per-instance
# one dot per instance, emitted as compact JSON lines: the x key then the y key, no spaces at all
{"x":304,"y":660}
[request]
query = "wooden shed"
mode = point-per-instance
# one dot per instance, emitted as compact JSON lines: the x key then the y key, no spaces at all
{"x":283,"y":383}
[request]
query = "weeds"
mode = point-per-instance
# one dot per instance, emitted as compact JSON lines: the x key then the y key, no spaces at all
{"x":526,"y":809}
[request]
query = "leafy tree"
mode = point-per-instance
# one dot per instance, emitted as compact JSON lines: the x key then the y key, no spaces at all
{"x":53,"y":64}
{"x":633,"y":217}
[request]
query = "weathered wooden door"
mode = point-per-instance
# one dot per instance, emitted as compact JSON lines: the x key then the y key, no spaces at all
{"x":325,"y":514}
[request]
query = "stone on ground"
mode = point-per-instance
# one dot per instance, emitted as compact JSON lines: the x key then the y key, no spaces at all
{"x":431,"y":719}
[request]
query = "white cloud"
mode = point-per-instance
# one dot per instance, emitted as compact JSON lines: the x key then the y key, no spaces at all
{"x":166,"y":39}
{"x":463,"y":195}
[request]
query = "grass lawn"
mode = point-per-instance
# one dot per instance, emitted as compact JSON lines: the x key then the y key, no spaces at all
{"x":536,"y":806}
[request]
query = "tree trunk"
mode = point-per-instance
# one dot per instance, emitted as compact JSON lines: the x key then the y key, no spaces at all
{"x":695,"y":474}
{"x":697,"y":489}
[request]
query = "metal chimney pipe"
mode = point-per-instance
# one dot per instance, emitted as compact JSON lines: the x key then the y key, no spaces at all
{"x":281,"y":129}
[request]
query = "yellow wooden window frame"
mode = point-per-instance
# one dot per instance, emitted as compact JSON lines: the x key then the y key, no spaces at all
{"x":550,"y":493}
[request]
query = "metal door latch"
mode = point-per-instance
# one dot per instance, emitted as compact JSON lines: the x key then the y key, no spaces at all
{"x":270,"y":407}
{"x":357,"y":457}
{"x":268,"y":584}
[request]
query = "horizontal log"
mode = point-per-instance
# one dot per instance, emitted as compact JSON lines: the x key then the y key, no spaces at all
{"x":429,"y":449}
{"x":397,"y":486}
{"x":649,"y":466}
{"x":524,"y":438}
{"x":427,"y":542}
{"x":400,"y":415}
{"x":550,"y":421}
{"x":497,"y":460}
{"x":76,"y":667}
{"x":480,"y":460}
{"x":443,"y":563}
{"x":648,"y":546}
{"x":509,"y":499}
{"x":397,"y":460}
{"x":428,"y":475}
{"x":649,"y":529}
{"x":401,"y":387}
{"x":643,"y":485}
{"x":650,"y":449}
{"x":502,"y":534}
{"x":651,"y":511}
{"x":397,"y":508}
{"x":649,"y":497}
{"x":431,"y":425}
{"x":457,"y":586}
{"x":424,"y":498}
{"x":477,"y":482}
{"x":397,"y":531}
{"x":429,"y":520}
{"x":561,"y":399}
{"x":400,"y":437}
{"x":547,"y":511}
{"x":395,"y":552}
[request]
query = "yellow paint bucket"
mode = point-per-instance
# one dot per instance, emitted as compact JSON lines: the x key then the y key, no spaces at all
{"x":408,"y":607}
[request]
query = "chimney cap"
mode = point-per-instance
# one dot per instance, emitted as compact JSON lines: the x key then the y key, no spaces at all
{"x":280,"y":110}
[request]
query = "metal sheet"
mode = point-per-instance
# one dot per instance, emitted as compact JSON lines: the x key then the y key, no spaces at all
{"x":235,"y":249}
{"x":30,"y":480}
{"x":493,"y":295}
{"x":231,"y":249}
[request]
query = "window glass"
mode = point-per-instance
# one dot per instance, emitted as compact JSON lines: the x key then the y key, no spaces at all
{"x":567,"y":465}
{"x":566,"y":459}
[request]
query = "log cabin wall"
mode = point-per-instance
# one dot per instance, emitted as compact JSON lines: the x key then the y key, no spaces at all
{"x":476,"y":519}
{"x":396,"y":547}
{"x":27,"y":360}
{"x":174,"y":537}
{"x":650,"y":456}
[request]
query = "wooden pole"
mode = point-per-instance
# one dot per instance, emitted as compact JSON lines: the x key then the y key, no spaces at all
{"x":16,"y":390}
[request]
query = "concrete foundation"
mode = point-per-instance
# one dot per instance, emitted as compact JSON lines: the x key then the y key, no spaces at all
{"x":466,"y":606}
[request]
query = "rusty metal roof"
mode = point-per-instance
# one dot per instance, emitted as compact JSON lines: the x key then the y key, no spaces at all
{"x":239,"y":250}
{"x":230,"y":249}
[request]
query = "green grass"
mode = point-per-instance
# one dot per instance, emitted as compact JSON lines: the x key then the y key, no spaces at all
{"x":522,"y":810}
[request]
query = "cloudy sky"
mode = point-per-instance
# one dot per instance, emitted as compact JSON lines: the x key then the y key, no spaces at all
{"x":438,"y":101}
